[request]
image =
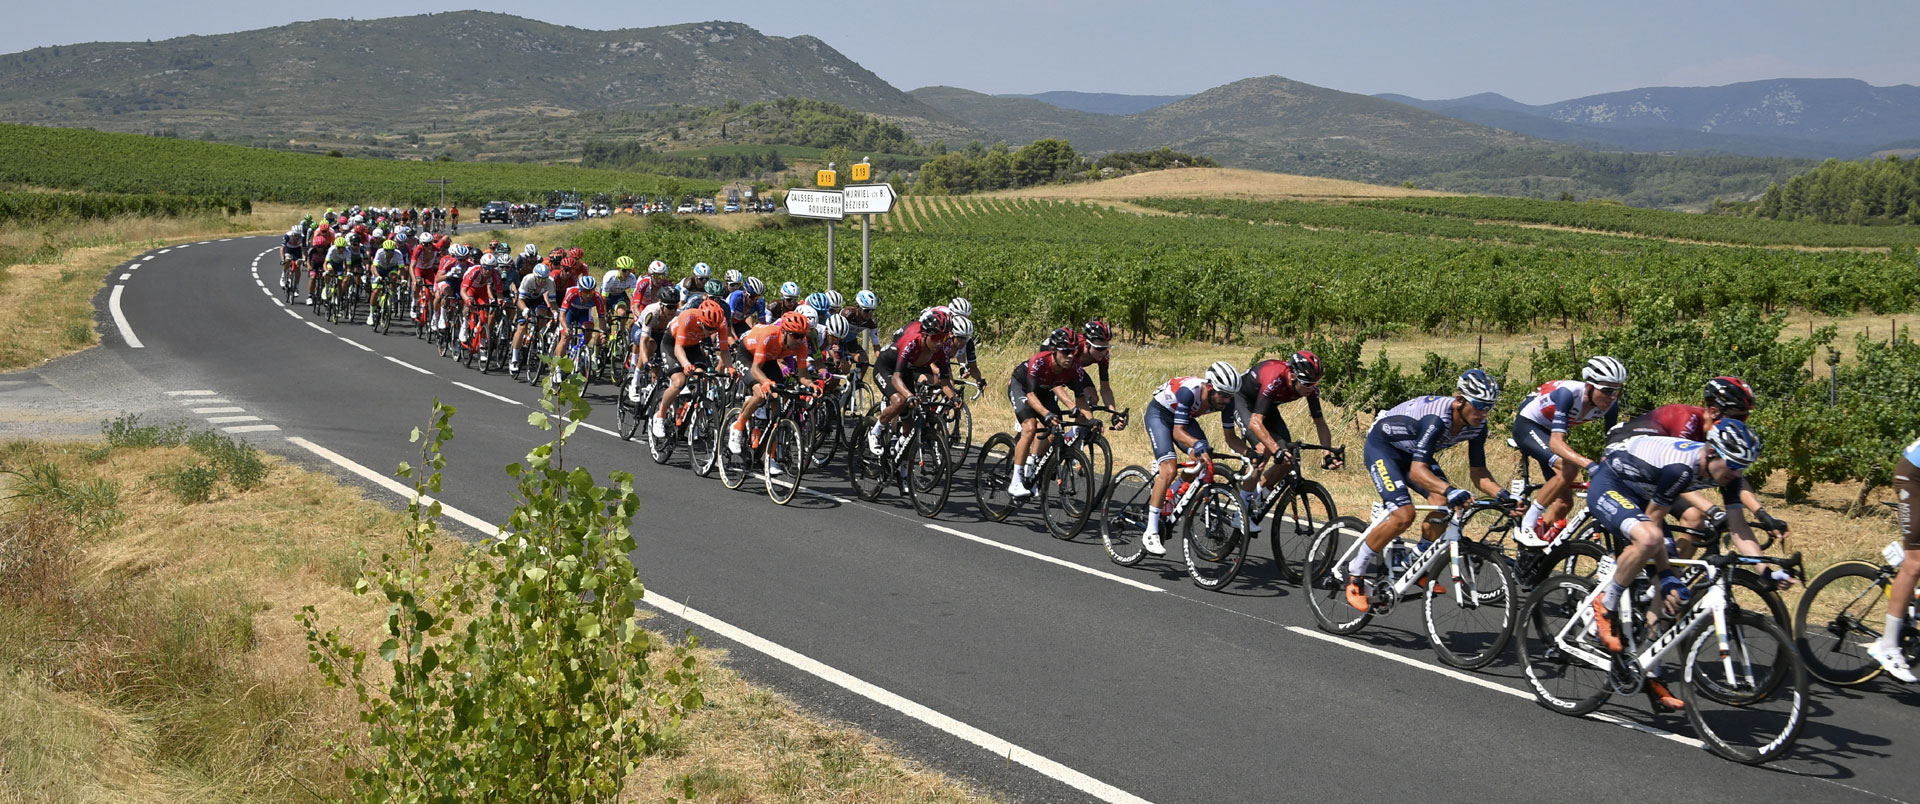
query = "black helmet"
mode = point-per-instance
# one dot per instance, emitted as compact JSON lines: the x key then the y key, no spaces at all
{"x":1063,"y":339}
{"x":670,"y":295}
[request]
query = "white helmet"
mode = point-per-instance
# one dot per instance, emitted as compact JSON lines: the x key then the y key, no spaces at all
{"x":541,"y":270}
{"x":962,"y":326}
{"x":656,"y":268}
{"x":530,"y":250}
{"x":813,"y":316}
{"x":1223,"y":377}
{"x":838,"y":327}
{"x":701,"y":270}
{"x":487,"y":259}
{"x":960,"y":306}
{"x":1603,"y":369}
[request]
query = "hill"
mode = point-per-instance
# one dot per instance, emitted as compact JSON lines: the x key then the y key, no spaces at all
{"x":1101,"y":102}
{"x":343,"y":81}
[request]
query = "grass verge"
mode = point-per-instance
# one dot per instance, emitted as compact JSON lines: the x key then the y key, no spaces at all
{"x":148,"y":650}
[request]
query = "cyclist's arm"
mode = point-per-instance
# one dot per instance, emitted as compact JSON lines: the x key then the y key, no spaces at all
{"x":1564,"y":400}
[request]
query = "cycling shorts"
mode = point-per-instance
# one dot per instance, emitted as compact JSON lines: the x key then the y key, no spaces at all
{"x":578,"y":317}
{"x":1023,"y":411}
{"x":616,"y":299}
{"x":1276,"y":426}
{"x":1906,"y":495}
{"x":1535,"y":443}
{"x":1613,"y":503}
{"x":885,"y":367}
{"x":697,"y":358}
{"x":1388,"y":468}
{"x":1160,"y":433}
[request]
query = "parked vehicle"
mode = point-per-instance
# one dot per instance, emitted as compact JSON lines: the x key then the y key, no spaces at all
{"x":496,"y":212}
{"x":567,"y":212}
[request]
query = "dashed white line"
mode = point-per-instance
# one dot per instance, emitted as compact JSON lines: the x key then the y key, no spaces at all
{"x":293,"y":313}
{"x":232,"y":419}
{"x":226,"y":409}
{"x":276,"y":300}
{"x":1145,"y":587}
{"x":598,"y":429}
{"x":120,"y":318}
{"x":206,"y":401}
{"x":125,"y":277}
{"x":263,"y":289}
{"x":507,"y":400}
{"x":408,"y":365}
{"x":253,"y":428}
{"x":161,"y":251}
{"x":189,"y":393}
{"x":356,"y":344}
{"x":148,"y":257}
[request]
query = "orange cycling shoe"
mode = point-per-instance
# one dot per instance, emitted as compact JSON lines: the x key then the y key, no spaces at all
{"x":1603,"y":621}
{"x":1357,"y":595}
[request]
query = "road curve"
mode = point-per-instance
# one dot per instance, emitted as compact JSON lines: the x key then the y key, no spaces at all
{"x":1131,"y":678}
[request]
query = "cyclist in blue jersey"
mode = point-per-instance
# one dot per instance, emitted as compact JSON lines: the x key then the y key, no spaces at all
{"x":1401,"y":454}
{"x":1173,"y":424}
{"x":1906,"y":492}
{"x":746,"y":308}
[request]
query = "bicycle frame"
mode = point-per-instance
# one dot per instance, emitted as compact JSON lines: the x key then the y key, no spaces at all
{"x":1424,"y":562}
{"x":1711,"y":608}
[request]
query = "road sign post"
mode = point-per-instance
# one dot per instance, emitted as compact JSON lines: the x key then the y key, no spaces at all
{"x":867,"y":200}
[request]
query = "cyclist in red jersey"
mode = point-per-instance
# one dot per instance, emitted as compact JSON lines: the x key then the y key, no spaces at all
{"x":1724,"y":398}
{"x":913,"y":356}
{"x":1096,"y":350}
{"x":477,"y":287}
{"x":1264,"y":387}
{"x":1034,"y":389}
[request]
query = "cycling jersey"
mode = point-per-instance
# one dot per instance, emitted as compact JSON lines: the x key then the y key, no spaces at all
{"x":651,"y":322}
{"x":1560,"y":404}
{"x":767,"y":344}
{"x":1912,"y":452}
{"x":425,"y":258}
{"x":1044,"y":372}
{"x":687,"y":329}
{"x":1184,"y":396}
{"x":534,"y":289}
{"x":1658,"y":469}
{"x":617,"y":286}
{"x":914,"y":349}
{"x":338,"y":255}
{"x":1421,"y":427}
{"x":741,"y":307}
{"x":292,"y":243}
{"x":1267,"y":386}
{"x":477,"y":286}
{"x":578,"y":306}
{"x":386,"y":260}
{"x":1087,"y":357}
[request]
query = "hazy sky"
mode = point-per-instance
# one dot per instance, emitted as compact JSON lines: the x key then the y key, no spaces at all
{"x":1534,"y":51}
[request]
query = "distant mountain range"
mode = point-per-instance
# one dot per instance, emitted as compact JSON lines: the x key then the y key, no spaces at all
{"x":1102,"y":102}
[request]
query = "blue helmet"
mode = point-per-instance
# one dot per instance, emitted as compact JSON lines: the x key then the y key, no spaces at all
{"x":585,"y":283}
{"x":702,"y":270}
{"x":1735,"y":442}
{"x":1479,"y":387}
{"x":819,"y":301}
{"x":790,"y":290}
{"x":867,"y":300}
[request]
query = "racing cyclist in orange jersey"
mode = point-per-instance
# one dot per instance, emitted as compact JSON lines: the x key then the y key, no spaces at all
{"x":688,"y":330}
{"x":912,"y":357}
{"x":764,"y":348}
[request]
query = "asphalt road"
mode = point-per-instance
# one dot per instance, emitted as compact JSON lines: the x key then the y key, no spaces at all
{"x":1131,"y":678}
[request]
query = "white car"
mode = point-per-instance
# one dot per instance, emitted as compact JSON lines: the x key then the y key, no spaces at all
{"x":685,"y":209}
{"x":599,"y":211}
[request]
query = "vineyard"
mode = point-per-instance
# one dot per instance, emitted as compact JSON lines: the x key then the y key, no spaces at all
{"x":95,"y":206}
{"x":127,"y":163}
{"x":1656,"y":223}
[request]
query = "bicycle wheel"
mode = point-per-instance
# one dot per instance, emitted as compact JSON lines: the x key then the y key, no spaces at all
{"x":734,"y":465}
{"x":1753,"y":593}
{"x":959,"y":435}
{"x":1554,"y":619}
{"x":785,"y":450}
{"x":1067,"y":494}
{"x":822,"y":433}
{"x":929,"y":473}
{"x":1324,"y":576}
{"x":1213,"y":528}
{"x":1123,"y":523}
{"x":1470,"y":607}
{"x":1494,"y":529}
{"x":1294,"y":519}
{"x":866,"y":469}
{"x":661,"y":447}
{"x":381,"y":322}
{"x":992,"y":472}
{"x":1100,"y":459}
{"x":469,"y":351}
{"x":704,"y":431}
{"x":1842,"y":611}
{"x":1748,"y":702}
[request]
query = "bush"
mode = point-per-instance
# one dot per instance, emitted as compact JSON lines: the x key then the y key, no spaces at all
{"x":127,"y":431}
{"x":237,"y":461}
{"x":192,"y":483}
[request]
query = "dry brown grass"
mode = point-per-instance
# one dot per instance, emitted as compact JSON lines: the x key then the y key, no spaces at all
{"x":1216,"y":183}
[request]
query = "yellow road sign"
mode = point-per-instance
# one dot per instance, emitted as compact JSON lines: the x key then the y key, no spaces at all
{"x":825,"y":178}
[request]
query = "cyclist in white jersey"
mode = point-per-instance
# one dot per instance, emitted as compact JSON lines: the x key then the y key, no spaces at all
{"x":1540,"y":428}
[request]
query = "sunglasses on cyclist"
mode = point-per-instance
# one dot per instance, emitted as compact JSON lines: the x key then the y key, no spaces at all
{"x":1609,"y":390}
{"x":1479,"y":405}
{"x":1733,"y":413}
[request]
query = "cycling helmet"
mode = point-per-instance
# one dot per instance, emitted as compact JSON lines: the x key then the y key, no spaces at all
{"x":754,"y":287}
{"x":460,"y":250}
{"x":1305,"y":366}
{"x":1062,"y":340}
{"x":389,"y":245}
{"x":867,"y":300}
{"x":1223,"y":377}
{"x":400,"y":237}
{"x":701,"y":270}
{"x":530,"y":250}
{"x":733,"y":276}
{"x":794,"y":324}
{"x":1605,"y":370}
{"x":818,"y":301}
{"x":379,"y":234}
{"x":714,"y":288}
{"x":790,"y":290}
{"x":586,"y":283}
{"x":961,"y":307}
{"x":541,"y":270}
{"x":557,"y":253}
{"x":962,"y":327}
{"x":657,"y":268}
{"x":1097,"y":332}
{"x":295,"y":231}
{"x":812,"y":315}
{"x":712,"y":317}
{"x":1735,"y":442}
{"x":577,"y":253}
{"x":1479,"y":388}
{"x":835,"y":301}
{"x":487,"y":259}
{"x":670,"y":295}
{"x":624,"y":263}
{"x":935,"y":320}
{"x":838,"y":327}
{"x":1729,"y":392}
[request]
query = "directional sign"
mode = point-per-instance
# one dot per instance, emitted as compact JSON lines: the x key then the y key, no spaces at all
{"x":815,"y":204}
{"x":869,"y":198}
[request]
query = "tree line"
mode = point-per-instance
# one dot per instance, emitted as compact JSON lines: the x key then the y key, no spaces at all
{"x":979,"y":168}
{"x":1871,"y":191}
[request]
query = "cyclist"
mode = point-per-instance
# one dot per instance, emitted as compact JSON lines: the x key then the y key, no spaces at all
{"x":340,"y":259}
{"x":1906,"y":491}
{"x":1256,"y":407}
{"x":618,"y":284}
{"x":649,"y":286}
{"x":582,"y":306}
{"x":788,"y":302}
{"x":763,"y":350}
{"x":1096,"y":349}
{"x":697,"y":283}
{"x":477,"y":288}
{"x":1402,"y":455}
{"x":1724,"y":398}
{"x":1173,"y":424}
{"x":735,"y":281}
{"x":293,"y":246}
{"x":964,"y":352}
{"x":1035,"y":385}
{"x":865,"y":331}
{"x":387,"y":262}
{"x":689,"y":328}
{"x":425,"y":261}
{"x":534,"y":289}
{"x":1631,"y":493}
{"x":914,"y":356}
{"x":1540,"y":428}
{"x":317,"y":252}
{"x":648,"y":328}
{"x":745,"y":307}
{"x":447,"y":283}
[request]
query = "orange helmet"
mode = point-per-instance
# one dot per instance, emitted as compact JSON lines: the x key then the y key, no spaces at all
{"x":711,"y":315}
{"x":794,"y":323}
{"x":577,"y":253}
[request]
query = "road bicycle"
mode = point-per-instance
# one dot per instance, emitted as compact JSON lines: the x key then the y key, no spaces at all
{"x":1843,"y":610}
{"x":476,"y":333}
{"x":1294,"y":510}
{"x":1742,"y":680}
{"x":539,"y":344}
{"x":385,"y":305}
{"x":775,"y":438}
{"x":290,"y":277}
{"x":914,"y":455}
{"x":1470,"y":601}
{"x":1203,"y":502}
{"x":1064,"y":481}
{"x":694,"y":420}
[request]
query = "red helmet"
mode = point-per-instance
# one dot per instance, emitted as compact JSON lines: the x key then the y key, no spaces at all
{"x":1305,"y":366}
{"x":794,"y":323}
{"x":556,"y":253}
{"x":569,"y":264}
{"x":577,"y":253}
{"x":936,"y":320}
{"x":1097,"y":331}
{"x":1729,"y":392}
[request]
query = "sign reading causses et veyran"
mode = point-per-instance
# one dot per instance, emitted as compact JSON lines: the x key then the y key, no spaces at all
{"x":826,"y":204}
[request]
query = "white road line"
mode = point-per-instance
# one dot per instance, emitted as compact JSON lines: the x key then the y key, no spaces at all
{"x":206,"y":401}
{"x":392,"y":485}
{"x":148,"y":257}
{"x":497,"y":396}
{"x":277,"y":301}
{"x":997,"y":746}
{"x":232,"y":419}
{"x":263,"y":289}
{"x":356,"y":344}
{"x":318,"y":327}
{"x":408,"y":365}
{"x":598,"y":429}
{"x":1484,"y":683}
{"x":225,"y":409}
{"x":161,"y":251}
{"x":1047,"y":558}
{"x":189,"y":393}
{"x":253,"y":428}
{"x":120,"y":318}
{"x":291,"y":313}
{"x":125,"y":277}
